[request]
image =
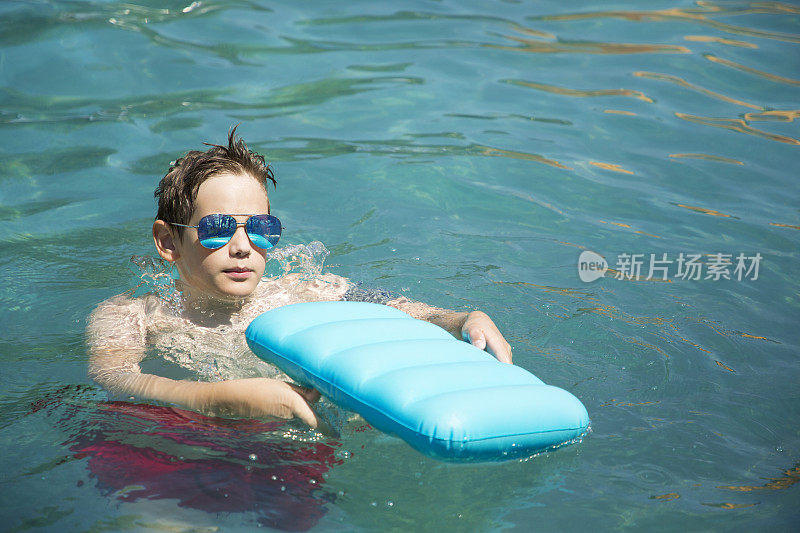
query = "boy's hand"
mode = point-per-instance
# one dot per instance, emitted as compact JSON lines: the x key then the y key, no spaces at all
{"x":265,"y":397}
{"x":480,"y":331}
{"x":475,"y":327}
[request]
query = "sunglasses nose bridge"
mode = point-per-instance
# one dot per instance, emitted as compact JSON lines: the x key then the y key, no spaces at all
{"x":239,"y":241}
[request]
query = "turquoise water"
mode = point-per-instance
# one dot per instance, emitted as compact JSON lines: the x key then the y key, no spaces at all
{"x":459,"y":153}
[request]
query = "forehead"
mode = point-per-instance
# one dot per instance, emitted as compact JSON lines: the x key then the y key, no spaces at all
{"x":230,"y":193}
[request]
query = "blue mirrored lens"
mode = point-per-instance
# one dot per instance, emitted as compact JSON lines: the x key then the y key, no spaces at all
{"x":214,"y":231}
{"x":263,"y":230}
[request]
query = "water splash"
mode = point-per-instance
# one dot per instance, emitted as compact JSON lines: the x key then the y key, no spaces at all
{"x":304,"y":259}
{"x":158,"y":277}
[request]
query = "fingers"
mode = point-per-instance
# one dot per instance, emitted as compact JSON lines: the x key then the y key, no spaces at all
{"x":477,"y":338}
{"x":304,"y":412}
{"x":480,"y":331}
{"x":492,"y":341}
{"x":310,"y":395}
{"x":499,"y":348}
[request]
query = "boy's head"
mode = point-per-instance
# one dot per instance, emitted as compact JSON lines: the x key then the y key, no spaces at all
{"x":177,"y":191}
{"x":226,"y":181}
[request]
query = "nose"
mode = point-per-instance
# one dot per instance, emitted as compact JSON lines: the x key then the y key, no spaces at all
{"x":239,"y":245}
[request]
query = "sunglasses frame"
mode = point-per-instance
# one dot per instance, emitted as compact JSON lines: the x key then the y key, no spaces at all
{"x":238,"y":224}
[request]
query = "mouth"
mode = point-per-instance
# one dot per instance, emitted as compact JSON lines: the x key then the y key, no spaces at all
{"x":238,"y":273}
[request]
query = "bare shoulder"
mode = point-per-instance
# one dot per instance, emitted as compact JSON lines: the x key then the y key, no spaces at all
{"x":121,"y":304}
{"x":120,"y":319}
{"x":120,"y":300}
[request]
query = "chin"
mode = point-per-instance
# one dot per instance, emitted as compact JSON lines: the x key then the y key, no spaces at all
{"x":229,"y":290}
{"x":236,"y":293}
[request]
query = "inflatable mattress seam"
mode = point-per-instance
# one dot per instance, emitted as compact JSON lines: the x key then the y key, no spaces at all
{"x":371,"y":343}
{"x":307,"y":329}
{"x":415,"y":365}
{"x":471,"y":389}
{"x":407,"y":427}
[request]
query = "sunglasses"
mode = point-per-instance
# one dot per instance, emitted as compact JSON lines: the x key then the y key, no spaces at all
{"x":215,"y":231}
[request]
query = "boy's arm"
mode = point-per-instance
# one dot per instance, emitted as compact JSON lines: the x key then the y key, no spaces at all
{"x":475,"y":327}
{"x":116,"y":337}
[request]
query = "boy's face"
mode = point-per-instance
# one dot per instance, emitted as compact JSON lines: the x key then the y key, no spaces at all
{"x":234,"y":270}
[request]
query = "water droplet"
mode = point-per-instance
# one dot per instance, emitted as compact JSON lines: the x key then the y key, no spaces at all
{"x":344,"y":454}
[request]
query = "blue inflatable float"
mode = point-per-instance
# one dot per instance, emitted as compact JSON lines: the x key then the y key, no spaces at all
{"x":411,"y":378}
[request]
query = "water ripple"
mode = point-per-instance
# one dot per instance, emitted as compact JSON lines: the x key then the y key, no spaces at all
{"x":720,"y":40}
{"x":751,"y":70}
{"x":700,"y":15}
{"x":585,"y":47}
{"x":31,"y":24}
{"x":17,"y":108}
{"x":738,"y":125}
{"x":683,"y":83}
{"x":565,"y":91}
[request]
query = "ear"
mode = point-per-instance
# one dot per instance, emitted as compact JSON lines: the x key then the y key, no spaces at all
{"x":165,"y":243}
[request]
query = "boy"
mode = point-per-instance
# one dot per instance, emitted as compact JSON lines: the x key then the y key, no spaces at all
{"x":214,"y":224}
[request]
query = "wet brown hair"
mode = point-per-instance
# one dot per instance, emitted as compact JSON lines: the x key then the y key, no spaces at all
{"x":177,"y":190}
